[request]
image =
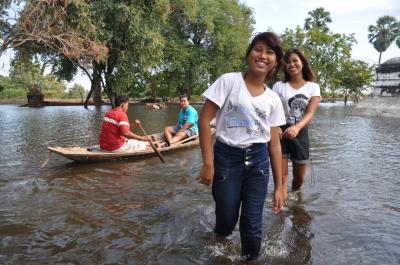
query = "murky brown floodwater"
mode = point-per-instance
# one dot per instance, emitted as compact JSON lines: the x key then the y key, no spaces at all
{"x":145,"y":212}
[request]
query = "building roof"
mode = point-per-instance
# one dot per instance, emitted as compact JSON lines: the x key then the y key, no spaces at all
{"x":395,"y":60}
{"x":390,"y":66}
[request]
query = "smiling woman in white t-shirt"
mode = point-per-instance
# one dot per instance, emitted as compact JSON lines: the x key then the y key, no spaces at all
{"x":248,"y":116}
{"x":300,"y":98}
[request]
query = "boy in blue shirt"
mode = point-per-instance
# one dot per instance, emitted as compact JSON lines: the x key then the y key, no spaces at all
{"x":187,"y":124}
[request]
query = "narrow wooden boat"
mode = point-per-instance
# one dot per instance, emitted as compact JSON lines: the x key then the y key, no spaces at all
{"x":94,"y":154}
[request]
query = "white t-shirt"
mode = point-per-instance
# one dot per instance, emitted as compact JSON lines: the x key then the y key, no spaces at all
{"x":242,"y":119}
{"x":295,"y":101}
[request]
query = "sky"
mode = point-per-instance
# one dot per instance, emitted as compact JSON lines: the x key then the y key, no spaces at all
{"x":348,"y":16}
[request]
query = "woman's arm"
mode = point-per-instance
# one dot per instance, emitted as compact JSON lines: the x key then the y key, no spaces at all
{"x":292,"y":131}
{"x":275,"y":154}
{"x":207,"y":114}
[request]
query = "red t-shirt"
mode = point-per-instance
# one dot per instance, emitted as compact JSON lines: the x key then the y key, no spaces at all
{"x":115,"y":123}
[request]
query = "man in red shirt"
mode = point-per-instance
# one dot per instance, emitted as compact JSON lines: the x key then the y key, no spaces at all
{"x":116,"y":135}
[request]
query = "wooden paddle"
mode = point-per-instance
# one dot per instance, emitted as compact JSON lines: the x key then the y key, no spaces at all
{"x":188,"y":139}
{"x":152,"y":145}
{"x":193,"y":137}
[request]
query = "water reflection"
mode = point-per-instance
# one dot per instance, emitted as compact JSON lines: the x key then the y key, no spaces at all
{"x":289,"y":238}
{"x":145,"y":212}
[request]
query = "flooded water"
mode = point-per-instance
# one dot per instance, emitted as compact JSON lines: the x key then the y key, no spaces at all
{"x":145,"y":212}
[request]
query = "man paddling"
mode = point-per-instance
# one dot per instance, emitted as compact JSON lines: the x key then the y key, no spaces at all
{"x":115,"y":135}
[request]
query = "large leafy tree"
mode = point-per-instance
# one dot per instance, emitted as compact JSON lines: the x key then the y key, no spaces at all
{"x":318,"y":18}
{"x":131,"y":32}
{"x":203,"y":40}
{"x":60,"y":31}
{"x":53,"y":26}
{"x":156,"y":47}
{"x":381,"y":35}
{"x":91,"y":35}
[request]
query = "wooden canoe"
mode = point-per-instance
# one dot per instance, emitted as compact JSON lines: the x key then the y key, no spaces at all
{"x":82,"y":154}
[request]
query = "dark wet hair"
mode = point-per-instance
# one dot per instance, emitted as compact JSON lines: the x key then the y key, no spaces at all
{"x":119,"y":100}
{"x":308,"y":74}
{"x":183,"y":96}
{"x":272,"y":41}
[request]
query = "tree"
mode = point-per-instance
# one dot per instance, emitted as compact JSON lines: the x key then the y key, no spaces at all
{"x":204,"y":38}
{"x":25,"y":73}
{"x":318,"y":18}
{"x":56,"y":29}
{"x":356,"y":76}
{"x":77,"y":91}
{"x":384,"y":33}
{"x":56,"y":26}
{"x":138,"y":48}
{"x":131,"y":32}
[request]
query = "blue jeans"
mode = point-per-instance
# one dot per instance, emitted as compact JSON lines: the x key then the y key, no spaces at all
{"x":241,"y":179}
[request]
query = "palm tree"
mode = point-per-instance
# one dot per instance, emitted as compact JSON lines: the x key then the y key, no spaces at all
{"x":398,"y":37}
{"x":318,"y":18}
{"x":384,"y":33}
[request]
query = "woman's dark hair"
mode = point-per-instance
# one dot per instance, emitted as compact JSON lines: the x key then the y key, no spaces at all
{"x":272,"y":41}
{"x":308,"y":74}
{"x":119,"y":100}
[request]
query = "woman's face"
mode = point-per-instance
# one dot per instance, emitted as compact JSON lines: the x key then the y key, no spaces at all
{"x":261,"y":58}
{"x":294,"y":65}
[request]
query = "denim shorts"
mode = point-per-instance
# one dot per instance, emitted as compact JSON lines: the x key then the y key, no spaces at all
{"x":297,"y":149}
{"x":188,"y":132}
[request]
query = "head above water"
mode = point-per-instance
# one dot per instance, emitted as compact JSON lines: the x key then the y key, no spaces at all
{"x":184,"y":101}
{"x":273,"y":42}
{"x":121,"y":100}
{"x":308,"y":74}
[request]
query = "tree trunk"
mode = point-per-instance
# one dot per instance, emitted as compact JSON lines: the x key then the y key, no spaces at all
{"x":95,"y":86}
{"x":380,"y":55}
{"x":97,"y":94}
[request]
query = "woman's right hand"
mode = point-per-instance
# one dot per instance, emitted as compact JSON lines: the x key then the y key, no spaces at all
{"x":206,"y":175}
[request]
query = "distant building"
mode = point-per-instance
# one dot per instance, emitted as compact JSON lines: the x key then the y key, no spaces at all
{"x":387,"y":81}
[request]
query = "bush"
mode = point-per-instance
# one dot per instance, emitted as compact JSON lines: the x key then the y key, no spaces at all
{"x":13,"y":93}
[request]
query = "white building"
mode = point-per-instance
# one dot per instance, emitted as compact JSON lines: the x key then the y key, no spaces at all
{"x":387,"y":81}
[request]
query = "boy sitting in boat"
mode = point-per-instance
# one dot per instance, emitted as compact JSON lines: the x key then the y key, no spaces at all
{"x":115,"y":135}
{"x":186,"y":126}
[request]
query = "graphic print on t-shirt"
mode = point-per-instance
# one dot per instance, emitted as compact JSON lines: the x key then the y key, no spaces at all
{"x":240,"y":116}
{"x":297,"y":108}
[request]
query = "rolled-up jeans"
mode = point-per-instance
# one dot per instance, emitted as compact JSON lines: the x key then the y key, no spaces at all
{"x":241,"y":180}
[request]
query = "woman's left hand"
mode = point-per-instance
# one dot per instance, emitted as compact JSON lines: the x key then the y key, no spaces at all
{"x":291,"y":132}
